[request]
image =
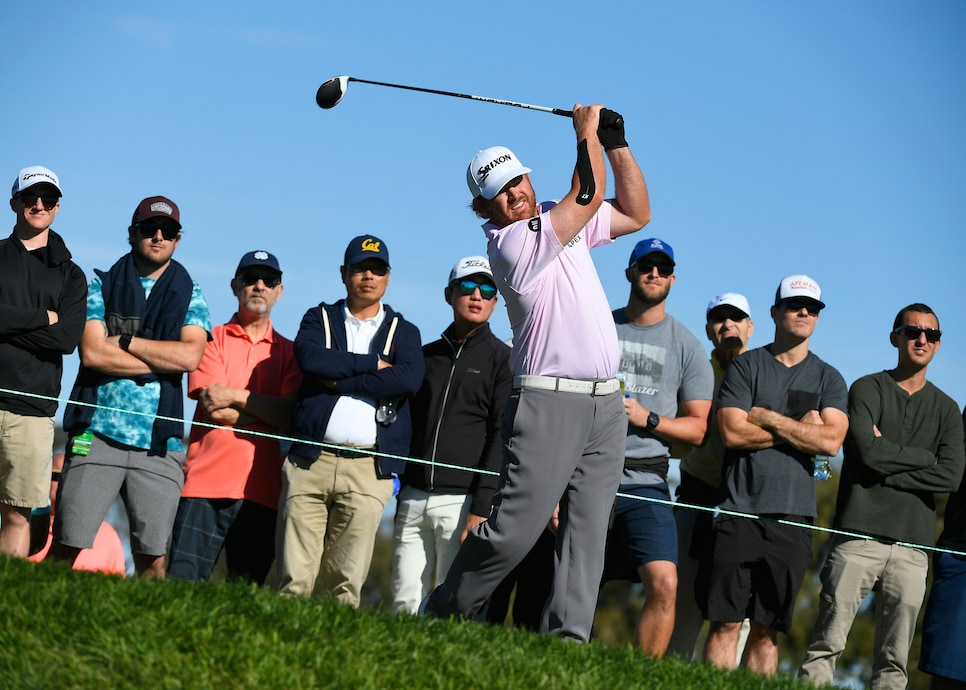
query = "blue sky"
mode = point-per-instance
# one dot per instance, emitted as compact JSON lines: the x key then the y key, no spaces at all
{"x":776,"y":137}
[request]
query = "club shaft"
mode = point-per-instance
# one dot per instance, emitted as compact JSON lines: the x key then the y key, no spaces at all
{"x":541,"y":108}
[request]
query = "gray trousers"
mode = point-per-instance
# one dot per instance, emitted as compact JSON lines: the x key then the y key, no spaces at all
{"x":565,"y":448}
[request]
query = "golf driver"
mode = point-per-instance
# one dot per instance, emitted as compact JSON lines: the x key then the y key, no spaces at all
{"x":333,"y":91}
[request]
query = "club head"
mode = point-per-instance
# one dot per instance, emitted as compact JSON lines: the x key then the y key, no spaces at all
{"x":331,"y":92}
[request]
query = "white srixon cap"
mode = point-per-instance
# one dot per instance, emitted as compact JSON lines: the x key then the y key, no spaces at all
{"x":800,"y":287}
{"x":35,"y":174}
{"x":470,"y":266}
{"x":730,"y":299}
{"x":491,"y":169}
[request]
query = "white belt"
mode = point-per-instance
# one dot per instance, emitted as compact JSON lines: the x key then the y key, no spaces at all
{"x":554,"y":383}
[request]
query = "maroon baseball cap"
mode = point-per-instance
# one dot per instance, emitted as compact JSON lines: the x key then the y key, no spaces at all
{"x":157,"y":207}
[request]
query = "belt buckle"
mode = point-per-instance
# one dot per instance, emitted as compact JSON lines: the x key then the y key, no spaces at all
{"x":350,"y":453}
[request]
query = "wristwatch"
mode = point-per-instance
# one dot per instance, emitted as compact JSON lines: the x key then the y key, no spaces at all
{"x":125,"y":341}
{"x":653,"y":420}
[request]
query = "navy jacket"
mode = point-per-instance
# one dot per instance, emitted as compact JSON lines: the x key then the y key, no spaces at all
{"x":356,"y":375}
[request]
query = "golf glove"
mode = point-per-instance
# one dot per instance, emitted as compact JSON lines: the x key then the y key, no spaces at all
{"x":610,"y":131}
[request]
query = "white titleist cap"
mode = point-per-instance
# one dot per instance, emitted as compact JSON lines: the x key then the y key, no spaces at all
{"x":799,"y":287}
{"x":470,"y":266}
{"x":491,"y":169}
{"x":730,"y":299}
{"x":35,"y":174}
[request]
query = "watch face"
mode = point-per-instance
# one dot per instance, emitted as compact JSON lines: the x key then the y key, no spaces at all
{"x":653,"y":420}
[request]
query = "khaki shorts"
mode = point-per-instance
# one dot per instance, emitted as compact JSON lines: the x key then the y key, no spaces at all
{"x":26,"y":446}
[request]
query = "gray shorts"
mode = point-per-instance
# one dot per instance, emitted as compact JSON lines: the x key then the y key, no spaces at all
{"x":150,"y":487}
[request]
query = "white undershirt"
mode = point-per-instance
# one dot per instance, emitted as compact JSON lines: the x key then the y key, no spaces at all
{"x":353,"y":421}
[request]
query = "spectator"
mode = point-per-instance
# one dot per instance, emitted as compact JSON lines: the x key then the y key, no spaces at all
{"x":729,"y":327}
{"x":456,"y":423}
{"x":778,"y":406}
{"x":905,"y":444}
{"x":667,"y":396}
{"x":361,"y":363}
{"x":147,"y":324}
{"x":41,"y":320}
{"x":246,"y":382}
{"x":564,"y":424}
{"x":944,"y":626}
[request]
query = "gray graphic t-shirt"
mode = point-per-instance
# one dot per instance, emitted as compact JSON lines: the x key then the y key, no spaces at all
{"x":663,"y":366}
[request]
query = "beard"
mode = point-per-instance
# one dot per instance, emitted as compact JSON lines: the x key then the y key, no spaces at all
{"x":732,"y":342}
{"x":259,"y":307}
{"x":657,"y":295}
{"x":151,"y":261}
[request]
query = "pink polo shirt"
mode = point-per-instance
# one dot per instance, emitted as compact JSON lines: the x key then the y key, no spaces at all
{"x":561,"y":321}
{"x":220,"y":462}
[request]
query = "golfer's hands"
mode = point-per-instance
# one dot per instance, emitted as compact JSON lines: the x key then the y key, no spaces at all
{"x":610,"y":131}
{"x":586,"y":120}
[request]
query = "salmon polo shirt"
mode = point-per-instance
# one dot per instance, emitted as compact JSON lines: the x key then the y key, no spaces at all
{"x":226,"y":462}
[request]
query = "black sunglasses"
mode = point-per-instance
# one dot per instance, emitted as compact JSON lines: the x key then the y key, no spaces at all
{"x":722,"y":315}
{"x":148,"y":231}
{"x":644,"y":266}
{"x":468,"y":287}
{"x":799,"y":304}
{"x":913,"y":332}
{"x":271,"y":280}
{"x":377,"y":268}
{"x":29,"y":200}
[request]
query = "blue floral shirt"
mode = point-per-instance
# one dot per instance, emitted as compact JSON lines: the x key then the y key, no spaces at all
{"x":125,"y":411}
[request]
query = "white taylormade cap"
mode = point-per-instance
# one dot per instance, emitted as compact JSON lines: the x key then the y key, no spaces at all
{"x":35,"y":174}
{"x":491,"y":169}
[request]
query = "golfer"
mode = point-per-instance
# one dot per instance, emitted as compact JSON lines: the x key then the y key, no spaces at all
{"x":564,"y":426}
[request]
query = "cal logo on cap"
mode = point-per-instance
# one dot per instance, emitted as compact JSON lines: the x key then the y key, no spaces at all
{"x":369,"y":246}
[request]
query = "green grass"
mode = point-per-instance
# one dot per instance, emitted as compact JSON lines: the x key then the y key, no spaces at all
{"x":60,"y":628}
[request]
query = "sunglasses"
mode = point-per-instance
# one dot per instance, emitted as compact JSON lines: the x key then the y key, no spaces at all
{"x":377,"y":269}
{"x":30,"y":200}
{"x":645,"y":267}
{"x":913,"y":332}
{"x":468,"y":287}
{"x":270,"y":279}
{"x":168,"y":231}
{"x":799,"y":304}
{"x":722,"y":315}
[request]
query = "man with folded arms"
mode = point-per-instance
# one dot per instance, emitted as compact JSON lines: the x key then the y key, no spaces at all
{"x":905,"y":444}
{"x":361,"y":363}
{"x":41,"y":319}
{"x":779,"y":405}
